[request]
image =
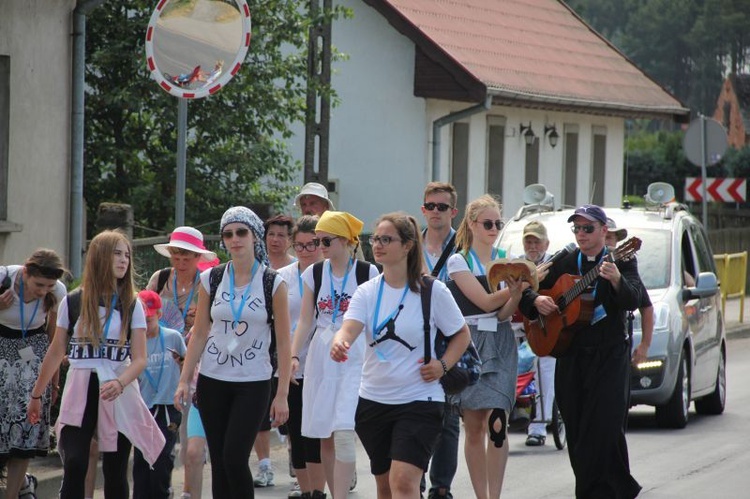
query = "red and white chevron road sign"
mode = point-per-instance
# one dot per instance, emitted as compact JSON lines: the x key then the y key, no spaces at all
{"x":722,"y":190}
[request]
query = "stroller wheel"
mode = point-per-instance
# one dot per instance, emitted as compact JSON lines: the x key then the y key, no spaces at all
{"x":558,"y":427}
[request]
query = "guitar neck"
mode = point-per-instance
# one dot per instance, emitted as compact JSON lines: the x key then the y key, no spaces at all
{"x":583,"y":283}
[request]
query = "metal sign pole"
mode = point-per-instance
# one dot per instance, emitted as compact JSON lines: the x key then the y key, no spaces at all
{"x":704,"y":160}
{"x":179,"y":215}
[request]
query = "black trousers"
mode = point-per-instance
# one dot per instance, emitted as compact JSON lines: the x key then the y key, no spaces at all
{"x":155,"y":484}
{"x":232,"y":413}
{"x":591,"y":389}
{"x":304,"y":449}
{"x":74,"y":450}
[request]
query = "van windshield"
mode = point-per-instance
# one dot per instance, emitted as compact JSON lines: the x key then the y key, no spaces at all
{"x":654,"y":262}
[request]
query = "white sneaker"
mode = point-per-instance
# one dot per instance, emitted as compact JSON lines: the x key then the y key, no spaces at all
{"x":295,"y":491}
{"x":264,"y":477}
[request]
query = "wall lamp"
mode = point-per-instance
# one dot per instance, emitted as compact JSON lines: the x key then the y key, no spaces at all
{"x":528,"y":134}
{"x":551,"y":132}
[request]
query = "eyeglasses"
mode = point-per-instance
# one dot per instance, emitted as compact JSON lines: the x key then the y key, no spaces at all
{"x":588,"y":229}
{"x":382,"y":240}
{"x":488,"y":224}
{"x":309,"y":246}
{"x":439,"y":206}
{"x":228,"y":234}
{"x":326,"y":241}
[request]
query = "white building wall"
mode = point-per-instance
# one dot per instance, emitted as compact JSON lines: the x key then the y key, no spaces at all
{"x":36,"y":36}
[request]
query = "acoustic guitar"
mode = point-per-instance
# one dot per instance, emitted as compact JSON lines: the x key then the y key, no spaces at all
{"x":553,"y":333}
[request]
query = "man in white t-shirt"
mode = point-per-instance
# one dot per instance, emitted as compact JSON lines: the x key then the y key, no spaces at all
{"x":439,"y":210}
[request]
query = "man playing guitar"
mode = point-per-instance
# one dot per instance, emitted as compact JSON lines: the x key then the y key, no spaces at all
{"x":591,"y":380}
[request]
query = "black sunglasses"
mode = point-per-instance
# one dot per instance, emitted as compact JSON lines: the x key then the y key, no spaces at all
{"x":439,"y":206}
{"x":326,"y":241}
{"x":588,"y":229}
{"x":309,"y":246}
{"x":228,"y":234}
{"x":488,"y":224}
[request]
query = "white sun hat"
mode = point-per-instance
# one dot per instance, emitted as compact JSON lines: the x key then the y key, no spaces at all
{"x":313,"y":189}
{"x":186,"y":238}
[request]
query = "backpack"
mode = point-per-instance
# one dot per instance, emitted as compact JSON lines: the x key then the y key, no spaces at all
{"x":161,"y":280}
{"x":467,"y":370}
{"x":362,"y":273}
{"x":74,"y":310}
{"x":269,"y":276}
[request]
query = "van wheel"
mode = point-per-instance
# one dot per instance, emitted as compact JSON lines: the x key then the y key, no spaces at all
{"x":674,"y":414}
{"x":714,"y":403}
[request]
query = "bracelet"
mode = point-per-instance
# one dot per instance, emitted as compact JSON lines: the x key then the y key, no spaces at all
{"x":445,"y":367}
{"x":122,"y":387}
{"x":295,"y":357}
{"x":36,"y":398}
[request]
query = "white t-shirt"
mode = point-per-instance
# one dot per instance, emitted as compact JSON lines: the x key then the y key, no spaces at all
{"x":110,"y":355}
{"x":293,"y":279}
{"x":238,"y":351}
{"x":457,"y":263}
{"x":11,"y":316}
{"x":391,"y":368}
{"x":325,"y":299}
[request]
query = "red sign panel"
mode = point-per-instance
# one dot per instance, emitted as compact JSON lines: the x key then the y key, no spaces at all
{"x":722,"y":190}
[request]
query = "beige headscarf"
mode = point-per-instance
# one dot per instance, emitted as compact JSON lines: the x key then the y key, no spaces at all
{"x":341,"y":224}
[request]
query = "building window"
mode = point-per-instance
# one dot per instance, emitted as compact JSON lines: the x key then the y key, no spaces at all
{"x":460,"y":164}
{"x":532,"y":162}
{"x":570,"y":165}
{"x":4,"y":133}
{"x":599,"y":164}
{"x":495,"y":154}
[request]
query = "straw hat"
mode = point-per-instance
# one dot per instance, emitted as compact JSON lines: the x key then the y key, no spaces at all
{"x":186,"y":238}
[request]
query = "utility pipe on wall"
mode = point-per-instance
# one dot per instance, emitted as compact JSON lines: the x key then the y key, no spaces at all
{"x":446,"y":120}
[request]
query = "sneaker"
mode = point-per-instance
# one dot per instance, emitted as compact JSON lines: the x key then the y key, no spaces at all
{"x":265,"y":477}
{"x":535,"y":440}
{"x":354,"y":482}
{"x":295,"y":491}
{"x":438,"y":493}
{"x":29,"y":490}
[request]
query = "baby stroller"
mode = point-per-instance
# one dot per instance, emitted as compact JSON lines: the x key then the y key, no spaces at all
{"x":526,"y":397}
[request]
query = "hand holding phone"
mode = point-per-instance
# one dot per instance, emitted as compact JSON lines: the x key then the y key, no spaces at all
{"x":176,"y":355}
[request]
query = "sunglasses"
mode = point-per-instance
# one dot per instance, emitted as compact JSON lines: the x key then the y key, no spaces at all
{"x":228,"y":234}
{"x":488,"y":224}
{"x":325,"y":241}
{"x":382,"y":240}
{"x":439,"y":206}
{"x":310,"y":246}
{"x":588,"y":229}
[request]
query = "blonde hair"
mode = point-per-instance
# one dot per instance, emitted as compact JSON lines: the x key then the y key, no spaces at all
{"x":100,"y":284}
{"x":464,"y":237}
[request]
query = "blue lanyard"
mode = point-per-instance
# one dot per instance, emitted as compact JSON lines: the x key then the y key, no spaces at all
{"x":430,"y":266}
{"x":493,"y":255}
{"x":376,"y":328}
{"x":237,"y":313}
{"x":109,"y":316}
{"x":150,"y":378}
{"x":190,"y":296}
{"x":580,"y":269}
{"x":299,"y":281}
{"x":337,"y":300}
{"x":25,"y":328}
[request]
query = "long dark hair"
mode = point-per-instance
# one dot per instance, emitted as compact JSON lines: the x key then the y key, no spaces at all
{"x":408,"y":231}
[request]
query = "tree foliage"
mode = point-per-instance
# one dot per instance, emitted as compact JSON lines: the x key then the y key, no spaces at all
{"x":688,"y":46}
{"x":236,"y":152}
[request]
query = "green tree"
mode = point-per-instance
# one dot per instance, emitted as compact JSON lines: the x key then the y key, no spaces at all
{"x":236,"y":151}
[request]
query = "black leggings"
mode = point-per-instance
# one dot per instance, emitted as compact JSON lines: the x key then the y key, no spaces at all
{"x":232,"y":413}
{"x":304,"y":449}
{"x":74,"y":450}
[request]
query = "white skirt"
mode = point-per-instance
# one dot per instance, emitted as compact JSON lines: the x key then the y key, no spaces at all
{"x":331,"y":389}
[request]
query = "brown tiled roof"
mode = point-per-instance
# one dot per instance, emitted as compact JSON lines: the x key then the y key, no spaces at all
{"x":741,"y":84}
{"x":535,"y":53}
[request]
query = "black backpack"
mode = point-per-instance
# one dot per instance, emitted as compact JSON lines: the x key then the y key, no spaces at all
{"x":269,"y":276}
{"x":362,"y":273}
{"x":74,"y":310}
{"x":161,"y":281}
